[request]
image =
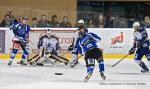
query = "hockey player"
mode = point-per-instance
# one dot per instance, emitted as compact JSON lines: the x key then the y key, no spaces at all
{"x":49,"y":46}
{"x":73,"y":46}
{"x":140,"y":46}
{"x":87,"y":46}
{"x":21,"y":38}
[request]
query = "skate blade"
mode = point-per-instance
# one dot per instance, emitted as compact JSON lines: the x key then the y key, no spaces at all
{"x":87,"y":77}
{"x":104,"y":77}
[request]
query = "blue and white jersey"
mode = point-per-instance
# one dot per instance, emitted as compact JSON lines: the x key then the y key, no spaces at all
{"x":141,"y":36}
{"x":21,"y":31}
{"x":88,"y":42}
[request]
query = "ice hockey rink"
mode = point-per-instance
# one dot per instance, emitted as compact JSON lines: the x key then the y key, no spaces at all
{"x":125,"y":75}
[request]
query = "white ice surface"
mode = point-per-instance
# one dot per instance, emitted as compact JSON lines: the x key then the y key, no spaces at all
{"x":125,"y":75}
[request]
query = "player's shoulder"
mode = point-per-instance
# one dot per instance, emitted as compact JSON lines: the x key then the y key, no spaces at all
{"x":76,"y":30}
{"x":28,"y":26}
{"x":141,"y":29}
{"x":17,"y":24}
{"x":92,"y":34}
{"x":54,"y":37}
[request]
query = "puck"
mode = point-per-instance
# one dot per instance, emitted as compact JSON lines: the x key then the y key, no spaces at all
{"x":58,"y":73}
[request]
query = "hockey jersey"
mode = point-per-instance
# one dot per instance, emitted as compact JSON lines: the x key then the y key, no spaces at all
{"x":141,"y":36}
{"x":50,"y":43}
{"x":87,"y":42}
{"x":21,"y":31}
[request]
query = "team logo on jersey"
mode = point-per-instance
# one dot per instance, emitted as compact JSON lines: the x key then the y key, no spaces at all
{"x":117,"y":40}
{"x":19,"y":27}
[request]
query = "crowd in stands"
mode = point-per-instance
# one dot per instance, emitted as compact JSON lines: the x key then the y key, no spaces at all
{"x":100,"y":22}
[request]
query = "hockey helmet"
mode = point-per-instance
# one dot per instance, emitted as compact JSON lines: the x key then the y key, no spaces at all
{"x":81,"y":21}
{"x":136,"y":24}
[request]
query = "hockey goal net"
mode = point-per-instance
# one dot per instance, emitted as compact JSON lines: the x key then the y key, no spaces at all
{"x":65,"y":36}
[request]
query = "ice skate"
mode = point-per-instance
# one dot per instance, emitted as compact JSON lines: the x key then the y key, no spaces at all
{"x":10,"y":63}
{"x":103,"y":76}
{"x":88,"y":76}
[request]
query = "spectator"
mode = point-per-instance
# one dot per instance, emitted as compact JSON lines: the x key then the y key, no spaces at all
{"x":109,"y":22}
{"x":43,"y":22}
{"x":90,"y":23}
{"x":120,"y":23}
{"x":5,"y":22}
{"x":54,"y":22}
{"x":65,"y":22}
{"x":34,"y":22}
{"x":100,"y":22}
{"x":20,"y":18}
{"x":12,"y":17}
{"x":130,"y":22}
{"x":146,"y":22}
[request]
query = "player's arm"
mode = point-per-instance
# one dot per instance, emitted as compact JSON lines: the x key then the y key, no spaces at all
{"x":26,"y":38}
{"x":79,"y":48}
{"x":132,"y":50}
{"x":58,"y":45}
{"x":14,"y":28}
{"x":74,"y":42}
{"x":95,"y":37}
{"x":136,"y":43}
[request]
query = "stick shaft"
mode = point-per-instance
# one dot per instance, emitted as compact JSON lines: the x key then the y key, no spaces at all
{"x":120,"y":60}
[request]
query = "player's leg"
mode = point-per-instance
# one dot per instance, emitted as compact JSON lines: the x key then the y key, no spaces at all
{"x":74,"y":59}
{"x":98,"y":55}
{"x":54,"y":57}
{"x":14,"y":51}
{"x":31,"y":59}
{"x":37,"y":60}
{"x":137,"y":58}
{"x":12,"y":56}
{"x":101,"y":68}
{"x":65,"y":60}
{"x":148,"y":56}
{"x":24,"y":57}
{"x":90,"y":63}
{"x":24,"y":54}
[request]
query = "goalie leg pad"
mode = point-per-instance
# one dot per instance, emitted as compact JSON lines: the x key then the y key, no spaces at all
{"x":63,"y":59}
{"x":55,"y":58}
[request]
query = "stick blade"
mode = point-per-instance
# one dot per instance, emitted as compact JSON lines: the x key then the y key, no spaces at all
{"x":113,"y":65}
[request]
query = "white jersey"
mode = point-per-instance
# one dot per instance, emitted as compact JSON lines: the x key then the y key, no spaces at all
{"x":50,"y":43}
{"x":76,"y":37}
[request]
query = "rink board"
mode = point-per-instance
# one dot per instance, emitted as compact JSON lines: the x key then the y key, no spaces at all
{"x":115,"y":41}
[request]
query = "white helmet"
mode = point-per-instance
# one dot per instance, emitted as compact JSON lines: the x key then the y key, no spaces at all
{"x":136,"y":24}
{"x":81,"y":21}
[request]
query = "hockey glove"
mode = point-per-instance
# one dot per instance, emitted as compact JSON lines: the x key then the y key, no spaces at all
{"x":131,"y":51}
{"x":70,"y":48}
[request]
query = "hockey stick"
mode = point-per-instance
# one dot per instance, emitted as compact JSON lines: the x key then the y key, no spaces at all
{"x":66,"y":70}
{"x":120,"y":60}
